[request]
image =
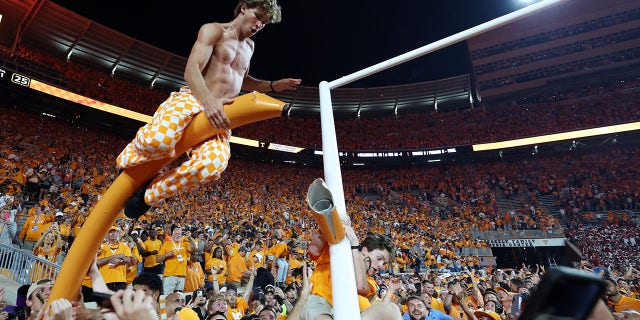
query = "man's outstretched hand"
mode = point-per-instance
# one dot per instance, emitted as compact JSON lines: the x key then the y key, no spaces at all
{"x":285,"y":84}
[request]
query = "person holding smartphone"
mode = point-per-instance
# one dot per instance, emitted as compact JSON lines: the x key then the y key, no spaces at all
{"x":198,"y":303}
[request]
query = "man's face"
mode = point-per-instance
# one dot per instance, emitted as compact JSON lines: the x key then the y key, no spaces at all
{"x":231,"y":297}
{"x":147,"y":291}
{"x":417,"y":309}
{"x":175,"y":300}
{"x":39,"y":297}
{"x":513,"y":287}
{"x":490,"y":305}
{"x":622,"y":284}
{"x":375,"y":260}
{"x":218,"y":305}
{"x":254,"y":19}
{"x":291,"y":294}
{"x":428,"y":288}
{"x":112,"y":235}
{"x":176,"y":234}
{"x":269,"y":296}
{"x":267,"y":314}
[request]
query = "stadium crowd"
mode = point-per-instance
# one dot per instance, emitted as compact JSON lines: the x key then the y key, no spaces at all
{"x":245,"y":240}
{"x":582,"y":108}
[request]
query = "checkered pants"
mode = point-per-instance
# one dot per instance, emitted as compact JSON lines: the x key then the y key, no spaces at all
{"x":157,"y":140}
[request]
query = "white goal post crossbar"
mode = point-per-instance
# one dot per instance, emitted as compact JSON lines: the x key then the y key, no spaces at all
{"x":344,"y":290}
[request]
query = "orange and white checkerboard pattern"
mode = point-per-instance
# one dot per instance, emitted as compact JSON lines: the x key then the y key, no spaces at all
{"x":157,"y":140}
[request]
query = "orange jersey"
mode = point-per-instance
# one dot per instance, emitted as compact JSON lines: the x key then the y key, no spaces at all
{"x":117,"y":273}
{"x":321,"y":279}
{"x":177,"y":264}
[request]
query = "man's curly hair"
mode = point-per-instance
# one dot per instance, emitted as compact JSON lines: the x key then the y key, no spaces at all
{"x":270,"y":7}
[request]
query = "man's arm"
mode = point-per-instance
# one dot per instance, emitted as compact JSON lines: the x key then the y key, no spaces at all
{"x":212,"y":102}
{"x":358,"y":263}
{"x":252,"y":84}
{"x":142,"y":249}
{"x":447,"y":303}
{"x":97,"y":281}
{"x":316,"y":245}
{"x":249,"y":288}
{"x":163,"y":255}
{"x":296,"y":312}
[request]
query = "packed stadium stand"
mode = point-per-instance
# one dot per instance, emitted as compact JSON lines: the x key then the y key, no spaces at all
{"x":503,"y":213}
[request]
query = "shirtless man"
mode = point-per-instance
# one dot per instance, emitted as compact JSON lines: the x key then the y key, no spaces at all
{"x":216,"y":70}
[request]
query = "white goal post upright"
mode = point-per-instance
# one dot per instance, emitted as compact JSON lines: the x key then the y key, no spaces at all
{"x":343,"y":279}
{"x":345,"y":300}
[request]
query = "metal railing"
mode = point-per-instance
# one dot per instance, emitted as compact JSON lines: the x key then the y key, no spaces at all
{"x":517,"y":234}
{"x":23,"y":267}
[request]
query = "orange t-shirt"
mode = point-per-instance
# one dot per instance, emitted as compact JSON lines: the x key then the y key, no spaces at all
{"x":239,"y":311}
{"x":195,"y":277}
{"x":235,"y":267}
{"x":321,"y":279}
{"x":279,"y":250}
{"x":220,"y":265}
{"x":117,"y":273}
{"x":176,"y":265}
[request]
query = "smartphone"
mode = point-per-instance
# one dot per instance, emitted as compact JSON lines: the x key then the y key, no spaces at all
{"x":564,"y":293}
{"x":103,"y":300}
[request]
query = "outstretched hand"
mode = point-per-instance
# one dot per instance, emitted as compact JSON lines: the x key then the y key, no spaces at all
{"x":133,"y":305}
{"x":60,"y":309}
{"x":285,"y":84}
{"x":351,"y":235}
{"x":306,"y":284}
